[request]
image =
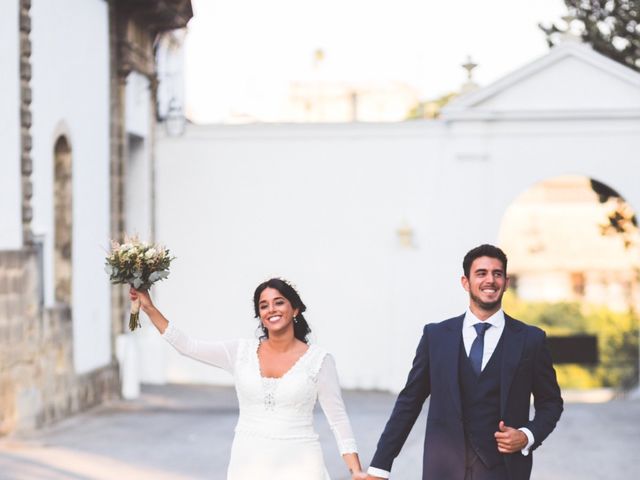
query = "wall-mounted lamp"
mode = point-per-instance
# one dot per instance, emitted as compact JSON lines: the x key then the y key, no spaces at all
{"x":405,"y":235}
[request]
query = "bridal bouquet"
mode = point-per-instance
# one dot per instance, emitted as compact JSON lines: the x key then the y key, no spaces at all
{"x":139,"y":264}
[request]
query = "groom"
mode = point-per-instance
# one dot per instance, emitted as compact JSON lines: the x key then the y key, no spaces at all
{"x":480,"y":369}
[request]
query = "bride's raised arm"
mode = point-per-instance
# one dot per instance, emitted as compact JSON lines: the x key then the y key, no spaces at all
{"x":220,"y":354}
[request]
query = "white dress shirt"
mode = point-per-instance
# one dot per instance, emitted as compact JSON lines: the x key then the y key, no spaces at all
{"x":491,"y":336}
{"x":491,"y":339}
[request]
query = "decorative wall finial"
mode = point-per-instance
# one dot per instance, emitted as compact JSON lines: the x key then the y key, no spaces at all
{"x":469,"y":66}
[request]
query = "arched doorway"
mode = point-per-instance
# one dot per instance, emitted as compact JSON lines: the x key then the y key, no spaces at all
{"x":63,"y":220}
{"x":574,"y":259}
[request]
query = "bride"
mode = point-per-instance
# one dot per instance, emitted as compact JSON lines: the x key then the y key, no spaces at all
{"x":278,"y":379}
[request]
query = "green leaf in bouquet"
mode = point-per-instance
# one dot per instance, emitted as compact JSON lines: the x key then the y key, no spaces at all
{"x":158,"y":275}
{"x":137,"y":282}
{"x":108,"y":268}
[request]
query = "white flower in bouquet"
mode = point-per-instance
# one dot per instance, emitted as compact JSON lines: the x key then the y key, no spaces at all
{"x":139,"y":264}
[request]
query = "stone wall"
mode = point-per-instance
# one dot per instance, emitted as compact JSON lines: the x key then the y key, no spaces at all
{"x":38,"y":384}
{"x":26,"y":161}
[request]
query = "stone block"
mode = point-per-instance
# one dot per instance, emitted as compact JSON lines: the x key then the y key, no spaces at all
{"x":25,"y":69}
{"x":15,"y":282}
{"x":27,"y":143}
{"x":27,"y":164}
{"x":27,"y":213}
{"x":26,"y":94}
{"x":5,"y":261}
{"x":38,"y":384}
{"x":25,"y":19}
{"x":27,"y":187}
{"x":25,"y":114}
{"x":7,"y":401}
{"x":4,"y":283}
{"x":28,"y":408}
{"x":25,"y":44}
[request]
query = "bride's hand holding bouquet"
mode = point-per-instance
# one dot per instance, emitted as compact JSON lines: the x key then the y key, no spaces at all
{"x":140,"y":265}
{"x":143,"y":298}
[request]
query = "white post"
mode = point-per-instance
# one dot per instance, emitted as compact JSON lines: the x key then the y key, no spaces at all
{"x":128,"y":358}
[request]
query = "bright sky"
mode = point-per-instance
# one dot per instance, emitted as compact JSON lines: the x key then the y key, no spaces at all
{"x":241,"y":55}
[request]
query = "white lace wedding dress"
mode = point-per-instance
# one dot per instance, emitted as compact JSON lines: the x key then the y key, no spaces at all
{"x":274,"y":437}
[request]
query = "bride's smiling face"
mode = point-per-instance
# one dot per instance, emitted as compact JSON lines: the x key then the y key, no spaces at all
{"x":276,"y":312}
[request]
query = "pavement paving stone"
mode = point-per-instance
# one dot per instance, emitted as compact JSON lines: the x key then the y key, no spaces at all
{"x":184,"y":432}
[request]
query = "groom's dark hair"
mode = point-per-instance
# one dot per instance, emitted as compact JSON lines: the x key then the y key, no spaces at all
{"x":484,"y":250}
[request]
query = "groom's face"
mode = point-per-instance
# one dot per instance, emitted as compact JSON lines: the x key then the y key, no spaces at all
{"x":486,"y":284}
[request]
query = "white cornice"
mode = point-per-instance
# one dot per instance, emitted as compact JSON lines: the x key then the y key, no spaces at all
{"x":480,"y":114}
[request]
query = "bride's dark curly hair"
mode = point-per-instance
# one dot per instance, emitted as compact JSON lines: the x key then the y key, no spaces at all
{"x":300,"y":326}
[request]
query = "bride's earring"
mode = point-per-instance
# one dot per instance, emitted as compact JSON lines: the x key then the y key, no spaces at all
{"x":295,"y":319}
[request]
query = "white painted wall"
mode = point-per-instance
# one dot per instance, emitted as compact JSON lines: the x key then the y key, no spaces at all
{"x":70,"y":84}
{"x":10,"y":181}
{"x":321,"y":205}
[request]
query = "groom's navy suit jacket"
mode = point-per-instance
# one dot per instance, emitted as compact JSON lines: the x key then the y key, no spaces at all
{"x":526,"y":369}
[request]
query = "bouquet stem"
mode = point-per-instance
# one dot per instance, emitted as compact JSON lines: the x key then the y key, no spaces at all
{"x":134,"y":317}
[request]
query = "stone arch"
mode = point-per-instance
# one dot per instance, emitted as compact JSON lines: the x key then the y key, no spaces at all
{"x":563,"y":249}
{"x":63,"y":220}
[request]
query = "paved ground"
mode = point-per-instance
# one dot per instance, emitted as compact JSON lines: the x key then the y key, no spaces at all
{"x":184,"y":433}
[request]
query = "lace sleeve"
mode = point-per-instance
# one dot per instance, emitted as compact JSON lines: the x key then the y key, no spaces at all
{"x":219,"y":354}
{"x":331,"y":402}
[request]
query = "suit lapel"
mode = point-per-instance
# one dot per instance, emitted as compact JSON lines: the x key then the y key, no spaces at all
{"x":451,"y":349}
{"x":512,"y":344}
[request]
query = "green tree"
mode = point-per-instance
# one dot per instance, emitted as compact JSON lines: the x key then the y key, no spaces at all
{"x":430,"y":108}
{"x":618,"y":345}
{"x":617,"y":335}
{"x":611,"y":27}
{"x":620,"y":220}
